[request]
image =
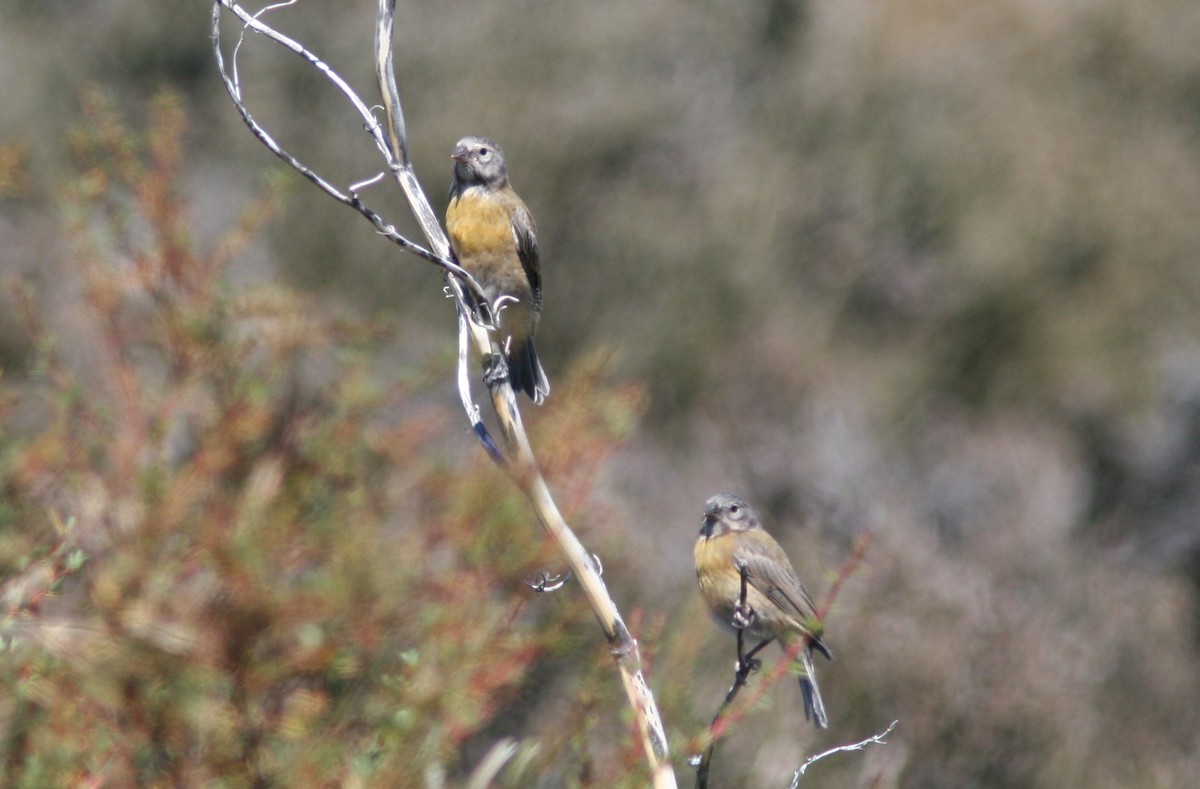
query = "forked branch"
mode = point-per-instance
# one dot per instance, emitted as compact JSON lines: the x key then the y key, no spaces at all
{"x":350,"y":195}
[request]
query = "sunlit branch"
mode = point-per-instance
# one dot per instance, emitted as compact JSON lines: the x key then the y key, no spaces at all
{"x":857,"y":746}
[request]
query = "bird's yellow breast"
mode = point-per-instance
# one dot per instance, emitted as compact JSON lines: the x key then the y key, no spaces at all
{"x":719,"y":581}
{"x":480,"y":226}
{"x":481,"y":231}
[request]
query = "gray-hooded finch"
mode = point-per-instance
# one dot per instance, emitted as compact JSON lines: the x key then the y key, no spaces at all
{"x":778,"y":607}
{"x":495,"y":239}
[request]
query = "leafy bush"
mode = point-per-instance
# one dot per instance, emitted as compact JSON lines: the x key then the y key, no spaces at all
{"x":242,"y":547}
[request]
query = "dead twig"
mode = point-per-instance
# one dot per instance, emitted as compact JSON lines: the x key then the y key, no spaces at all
{"x":855,"y":746}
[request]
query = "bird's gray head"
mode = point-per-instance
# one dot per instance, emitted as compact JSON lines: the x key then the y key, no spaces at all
{"x":725,"y":512}
{"x":479,"y":161}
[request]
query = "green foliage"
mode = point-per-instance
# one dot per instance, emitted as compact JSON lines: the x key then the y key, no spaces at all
{"x":239,"y":550}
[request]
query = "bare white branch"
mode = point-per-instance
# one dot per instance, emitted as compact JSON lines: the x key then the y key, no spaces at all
{"x":359,"y":185}
{"x":370,"y":123}
{"x":857,"y":746}
{"x":464,"y":387}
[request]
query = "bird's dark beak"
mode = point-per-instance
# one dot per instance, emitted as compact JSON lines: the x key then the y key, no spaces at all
{"x":460,"y":154}
{"x":710,"y":522}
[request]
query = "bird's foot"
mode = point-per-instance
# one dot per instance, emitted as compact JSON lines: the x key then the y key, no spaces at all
{"x":748,"y":665}
{"x":743,"y":616}
{"x":495,"y":370}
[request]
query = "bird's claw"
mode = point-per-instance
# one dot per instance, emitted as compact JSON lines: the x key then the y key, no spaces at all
{"x":495,"y":371}
{"x":749,"y":665}
{"x":743,"y":616}
{"x":544,"y":582}
{"x":503,"y":301}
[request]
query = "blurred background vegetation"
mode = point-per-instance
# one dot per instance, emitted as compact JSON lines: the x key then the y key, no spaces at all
{"x":924,"y":269}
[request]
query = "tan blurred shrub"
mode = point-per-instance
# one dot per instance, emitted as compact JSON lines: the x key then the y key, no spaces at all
{"x":237,"y":547}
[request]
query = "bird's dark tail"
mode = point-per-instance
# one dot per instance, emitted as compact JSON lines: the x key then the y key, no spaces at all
{"x":817,"y":643}
{"x":814,"y":707}
{"x":526,"y":373}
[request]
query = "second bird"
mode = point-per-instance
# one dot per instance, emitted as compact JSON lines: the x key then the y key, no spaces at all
{"x":731,"y":538}
{"x":495,"y":239}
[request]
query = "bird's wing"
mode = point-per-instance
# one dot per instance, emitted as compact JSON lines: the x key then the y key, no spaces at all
{"x":777,"y":581}
{"x":525,"y":233}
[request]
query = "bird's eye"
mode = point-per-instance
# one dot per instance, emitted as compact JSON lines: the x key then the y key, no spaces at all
{"x":734,"y":509}
{"x":483,"y":152}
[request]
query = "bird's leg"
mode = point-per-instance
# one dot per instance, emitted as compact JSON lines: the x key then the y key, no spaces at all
{"x":482,"y":311}
{"x":743,"y":614}
{"x":503,"y":301}
{"x":495,"y":369}
{"x":744,"y":617}
{"x":747,"y":664}
{"x":748,"y":659}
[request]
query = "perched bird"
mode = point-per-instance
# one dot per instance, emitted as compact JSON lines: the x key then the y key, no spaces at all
{"x":495,"y":239}
{"x":776,"y":605}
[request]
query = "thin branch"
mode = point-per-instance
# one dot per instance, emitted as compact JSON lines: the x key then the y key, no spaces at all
{"x":349,"y":197}
{"x":848,"y":568}
{"x":746,"y":665}
{"x":464,"y":386}
{"x":857,"y":746}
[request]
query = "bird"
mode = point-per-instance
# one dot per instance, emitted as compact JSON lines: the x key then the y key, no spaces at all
{"x":777,"y":607}
{"x":494,"y":237}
